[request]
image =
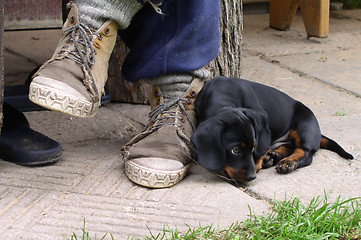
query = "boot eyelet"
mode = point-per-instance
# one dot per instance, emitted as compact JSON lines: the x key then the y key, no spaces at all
{"x":72,"y":20}
{"x":107,"y":31}
{"x":182,"y":120}
{"x":193,"y":93}
{"x":69,"y":40}
{"x":96,"y":44}
{"x":100,"y":37}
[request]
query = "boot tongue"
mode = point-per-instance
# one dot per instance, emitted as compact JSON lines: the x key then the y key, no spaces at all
{"x":73,"y":17}
{"x":170,"y":110}
{"x":166,"y":113}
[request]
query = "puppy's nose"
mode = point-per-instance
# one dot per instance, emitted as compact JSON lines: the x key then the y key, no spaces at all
{"x":251,"y":177}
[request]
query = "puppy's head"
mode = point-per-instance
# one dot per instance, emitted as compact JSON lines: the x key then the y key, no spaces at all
{"x":226,"y":143}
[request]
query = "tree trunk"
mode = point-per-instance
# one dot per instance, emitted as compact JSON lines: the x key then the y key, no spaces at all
{"x":228,"y":62}
{"x":1,"y":60}
{"x":120,"y":89}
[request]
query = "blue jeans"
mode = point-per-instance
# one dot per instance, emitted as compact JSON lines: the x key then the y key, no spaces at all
{"x":185,"y":38}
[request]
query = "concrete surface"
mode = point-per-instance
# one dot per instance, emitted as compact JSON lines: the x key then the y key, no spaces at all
{"x":89,"y":183}
{"x":324,"y":74}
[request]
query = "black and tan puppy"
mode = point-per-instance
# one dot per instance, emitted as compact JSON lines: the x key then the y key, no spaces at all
{"x":245,"y":126}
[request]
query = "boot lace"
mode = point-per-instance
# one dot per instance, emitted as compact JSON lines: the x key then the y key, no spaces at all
{"x":162,"y":113}
{"x":83,"y":52}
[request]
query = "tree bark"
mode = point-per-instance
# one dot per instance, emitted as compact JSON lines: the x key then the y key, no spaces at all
{"x":120,"y":89}
{"x":1,"y":61}
{"x":228,"y":62}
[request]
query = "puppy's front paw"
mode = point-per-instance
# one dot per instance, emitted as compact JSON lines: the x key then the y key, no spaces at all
{"x":286,"y":166}
{"x":268,"y":159}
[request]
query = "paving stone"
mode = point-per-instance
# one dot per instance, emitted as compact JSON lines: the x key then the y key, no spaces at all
{"x":329,"y":173}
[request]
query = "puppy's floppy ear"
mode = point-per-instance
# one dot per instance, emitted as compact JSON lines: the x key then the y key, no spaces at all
{"x":208,"y":142}
{"x":263,"y":134}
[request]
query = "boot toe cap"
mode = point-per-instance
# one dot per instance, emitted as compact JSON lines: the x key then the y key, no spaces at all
{"x":155,"y":172}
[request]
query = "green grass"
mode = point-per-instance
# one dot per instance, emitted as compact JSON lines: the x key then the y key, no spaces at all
{"x":289,"y":219}
{"x":352,"y":3}
{"x":86,"y":236}
{"x":341,"y":113}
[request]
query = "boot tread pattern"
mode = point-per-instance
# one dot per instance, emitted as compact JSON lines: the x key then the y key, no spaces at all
{"x":152,"y":178}
{"x":54,"y":100}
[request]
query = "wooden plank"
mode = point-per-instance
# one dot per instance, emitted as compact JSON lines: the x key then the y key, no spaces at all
{"x":282,"y":13}
{"x":315,"y":14}
{"x":25,"y":14}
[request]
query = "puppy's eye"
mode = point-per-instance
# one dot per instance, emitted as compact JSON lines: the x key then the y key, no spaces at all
{"x":236,"y":150}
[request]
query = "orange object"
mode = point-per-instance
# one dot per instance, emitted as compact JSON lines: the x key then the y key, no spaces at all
{"x":315,"y":14}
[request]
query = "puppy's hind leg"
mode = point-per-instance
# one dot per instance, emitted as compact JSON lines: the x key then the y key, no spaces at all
{"x":306,"y":137}
{"x":301,"y":156}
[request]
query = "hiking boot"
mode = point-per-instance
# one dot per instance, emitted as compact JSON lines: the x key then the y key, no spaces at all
{"x":161,"y":155}
{"x":73,"y":80}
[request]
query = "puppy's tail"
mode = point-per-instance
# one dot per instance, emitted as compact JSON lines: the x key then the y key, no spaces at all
{"x":329,"y":144}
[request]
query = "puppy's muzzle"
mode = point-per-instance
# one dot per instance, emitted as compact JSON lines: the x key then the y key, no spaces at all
{"x":240,"y":175}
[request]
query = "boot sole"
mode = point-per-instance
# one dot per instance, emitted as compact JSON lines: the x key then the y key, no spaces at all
{"x":153,"y":178}
{"x":56,"y":100}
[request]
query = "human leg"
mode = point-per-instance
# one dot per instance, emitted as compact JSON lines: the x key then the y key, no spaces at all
{"x":73,"y":80}
{"x":161,"y":155}
{"x":169,"y":51}
{"x":173,"y":63}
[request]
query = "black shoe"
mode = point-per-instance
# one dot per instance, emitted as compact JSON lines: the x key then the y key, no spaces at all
{"x":21,"y":145}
